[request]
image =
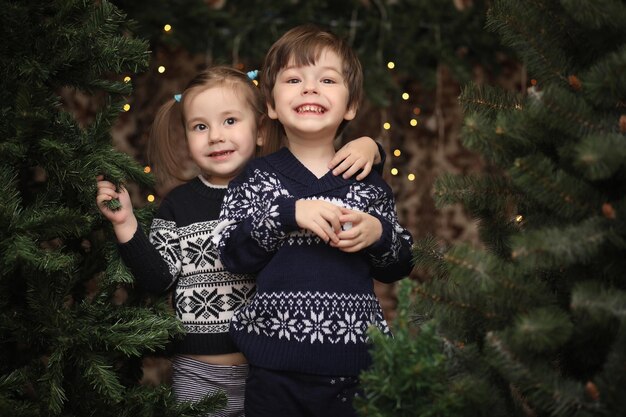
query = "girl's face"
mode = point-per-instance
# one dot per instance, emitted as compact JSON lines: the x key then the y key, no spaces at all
{"x":221,"y":132}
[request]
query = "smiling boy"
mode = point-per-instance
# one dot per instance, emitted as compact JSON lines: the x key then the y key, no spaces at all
{"x":315,"y":240}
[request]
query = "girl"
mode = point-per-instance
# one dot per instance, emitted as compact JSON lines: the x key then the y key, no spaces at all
{"x":220,"y":112}
{"x":315,"y":240}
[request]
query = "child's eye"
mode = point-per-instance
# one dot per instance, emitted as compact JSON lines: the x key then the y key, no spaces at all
{"x":230,"y":121}
{"x":328,"y":81}
{"x":293,"y":81}
{"x":200,"y":127}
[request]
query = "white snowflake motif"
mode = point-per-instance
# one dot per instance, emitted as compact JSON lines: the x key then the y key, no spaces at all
{"x":166,"y":242}
{"x":317,"y":327}
{"x":246,"y":320}
{"x":350,"y":328}
{"x":284,"y":325}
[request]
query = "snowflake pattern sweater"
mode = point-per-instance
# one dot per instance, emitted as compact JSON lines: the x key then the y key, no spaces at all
{"x":180,"y":252}
{"x":314,"y":303}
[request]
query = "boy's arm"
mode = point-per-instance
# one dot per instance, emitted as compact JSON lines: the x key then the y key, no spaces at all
{"x":256,"y":215}
{"x":391,"y":256}
{"x":362,"y":154}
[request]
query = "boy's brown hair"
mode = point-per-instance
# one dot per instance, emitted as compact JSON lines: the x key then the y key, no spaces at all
{"x":303,"y":46}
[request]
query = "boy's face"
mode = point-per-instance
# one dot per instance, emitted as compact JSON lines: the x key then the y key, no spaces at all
{"x":312,"y":100}
{"x":221,"y":132}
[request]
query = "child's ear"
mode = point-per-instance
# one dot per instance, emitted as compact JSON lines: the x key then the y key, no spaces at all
{"x":260,"y":140}
{"x":350,"y":113}
{"x":271,"y":112}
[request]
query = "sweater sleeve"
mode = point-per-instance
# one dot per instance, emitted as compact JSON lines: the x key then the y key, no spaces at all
{"x":391,"y":256}
{"x":155,"y":262}
{"x":256,"y":215}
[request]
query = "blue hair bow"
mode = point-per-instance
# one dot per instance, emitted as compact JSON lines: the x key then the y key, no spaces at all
{"x":253,"y":74}
{"x":177,"y":97}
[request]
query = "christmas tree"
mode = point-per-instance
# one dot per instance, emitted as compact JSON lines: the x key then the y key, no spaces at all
{"x":72,"y":329}
{"x":532,"y":322}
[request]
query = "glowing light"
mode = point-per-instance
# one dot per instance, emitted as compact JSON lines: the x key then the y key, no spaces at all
{"x":394,"y":171}
{"x":255,"y":82}
{"x":126,"y":107}
{"x":519,"y":218}
{"x":167,"y":28}
{"x":405,"y":96}
{"x":391,"y":65}
{"x":147,"y":169}
{"x":411,"y":177}
{"x":127,"y":79}
{"x":161,"y":69}
{"x":387,"y":126}
{"x":150,"y":198}
{"x":397,"y":152}
{"x":417,"y":111}
{"x":413,"y":122}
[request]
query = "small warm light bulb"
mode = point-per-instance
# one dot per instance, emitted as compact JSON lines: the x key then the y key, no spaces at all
{"x":417,"y":111}
{"x":127,"y":79}
{"x":387,"y":126}
{"x":126,"y":107}
{"x":167,"y":28}
{"x":255,"y":82}
{"x":411,"y":177}
{"x":397,"y":152}
{"x":405,"y":96}
{"x":161,"y":69}
{"x":147,"y":169}
{"x":519,"y":218}
{"x":391,"y":65}
{"x":394,"y":171}
{"x":413,"y":122}
{"x":150,"y":198}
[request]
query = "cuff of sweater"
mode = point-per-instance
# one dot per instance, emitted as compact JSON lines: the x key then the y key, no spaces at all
{"x":137,"y":244}
{"x":383,"y":244}
{"x":287,"y":213}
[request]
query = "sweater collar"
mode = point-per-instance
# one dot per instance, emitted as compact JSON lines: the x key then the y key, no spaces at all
{"x":205,"y":188}
{"x":285,"y":162}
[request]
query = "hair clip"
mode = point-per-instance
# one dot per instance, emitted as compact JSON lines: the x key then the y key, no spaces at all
{"x":177,"y":97}
{"x":252,"y":74}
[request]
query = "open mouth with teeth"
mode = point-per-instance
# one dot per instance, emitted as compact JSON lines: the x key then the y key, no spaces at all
{"x":218,"y":154}
{"x":311,"y":108}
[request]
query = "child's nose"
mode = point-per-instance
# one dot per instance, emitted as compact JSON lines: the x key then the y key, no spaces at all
{"x":215,"y":136}
{"x":309,"y":87}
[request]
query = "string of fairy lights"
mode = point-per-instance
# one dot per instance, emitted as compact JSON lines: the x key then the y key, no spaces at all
{"x":386,"y":126}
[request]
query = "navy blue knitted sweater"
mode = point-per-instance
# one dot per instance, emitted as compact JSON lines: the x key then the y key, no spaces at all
{"x":314,"y":303}
{"x":180,"y":253}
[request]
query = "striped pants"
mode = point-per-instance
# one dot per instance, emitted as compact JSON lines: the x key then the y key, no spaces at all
{"x":192,"y":379}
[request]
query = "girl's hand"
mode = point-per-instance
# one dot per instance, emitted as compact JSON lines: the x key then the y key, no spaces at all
{"x":123,"y":220}
{"x":320,"y":217}
{"x":358,"y":154}
{"x":364,"y":230}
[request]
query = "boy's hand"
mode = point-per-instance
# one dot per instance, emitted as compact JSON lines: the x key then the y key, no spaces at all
{"x":320,"y":217}
{"x":123,"y":219}
{"x":358,"y":154}
{"x":364,"y":230}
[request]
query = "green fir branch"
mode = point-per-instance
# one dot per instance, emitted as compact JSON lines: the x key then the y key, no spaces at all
{"x":559,"y":247}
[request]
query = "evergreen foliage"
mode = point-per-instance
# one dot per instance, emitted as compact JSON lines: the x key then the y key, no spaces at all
{"x":535,"y":317}
{"x":70,"y":342}
{"x":416,"y":35}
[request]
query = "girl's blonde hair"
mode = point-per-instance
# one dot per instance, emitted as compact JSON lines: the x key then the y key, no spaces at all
{"x":304,"y":44}
{"x":167,"y":148}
